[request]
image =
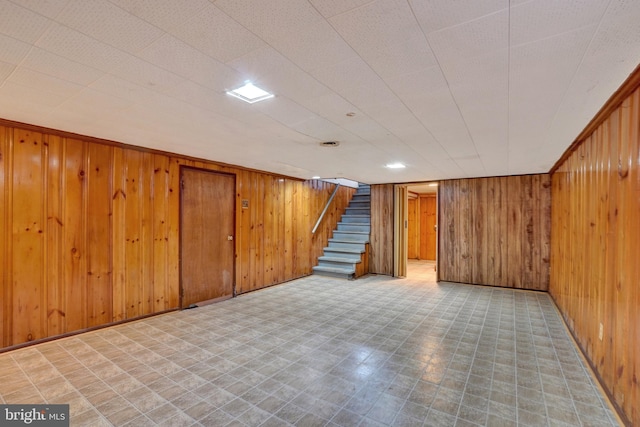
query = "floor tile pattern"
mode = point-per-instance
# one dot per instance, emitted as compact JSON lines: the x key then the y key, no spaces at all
{"x":316,"y":351}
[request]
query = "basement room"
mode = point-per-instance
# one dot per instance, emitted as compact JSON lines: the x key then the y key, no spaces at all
{"x":319,"y":213}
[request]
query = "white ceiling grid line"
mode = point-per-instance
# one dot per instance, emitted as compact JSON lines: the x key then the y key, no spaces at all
{"x":451,"y":88}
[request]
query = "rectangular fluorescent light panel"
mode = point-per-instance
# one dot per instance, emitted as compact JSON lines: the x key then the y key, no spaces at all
{"x":396,"y":166}
{"x":250,"y":93}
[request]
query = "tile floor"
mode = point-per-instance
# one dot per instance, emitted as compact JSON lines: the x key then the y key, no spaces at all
{"x":318,"y":351}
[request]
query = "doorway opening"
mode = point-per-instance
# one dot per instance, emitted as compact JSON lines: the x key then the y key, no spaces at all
{"x":416,"y":229}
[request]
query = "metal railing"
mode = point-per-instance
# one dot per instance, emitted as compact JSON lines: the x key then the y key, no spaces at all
{"x":324,"y":211}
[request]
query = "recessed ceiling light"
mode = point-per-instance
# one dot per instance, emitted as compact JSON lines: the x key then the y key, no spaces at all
{"x":396,"y":166}
{"x":315,"y":177}
{"x":250,"y":93}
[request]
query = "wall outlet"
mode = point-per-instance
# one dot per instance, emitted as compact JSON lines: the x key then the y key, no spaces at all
{"x":601,"y":332}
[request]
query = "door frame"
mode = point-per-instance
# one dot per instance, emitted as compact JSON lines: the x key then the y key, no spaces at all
{"x":235,"y":232}
{"x":400,"y":228}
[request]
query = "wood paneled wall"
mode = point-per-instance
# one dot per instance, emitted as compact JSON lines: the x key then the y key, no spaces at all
{"x":413,"y":227}
{"x":89,"y":231}
{"x":595,"y":277}
{"x":381,"y":250}
{"x":495,"y":231}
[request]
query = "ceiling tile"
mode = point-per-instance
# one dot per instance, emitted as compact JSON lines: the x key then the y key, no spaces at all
{"x":315,"y":47}
{"x":386,"y":35}
{"x":538,"y":19}
{"x":273,"y":19}
{"x":147,"y":75}
{"x":21,"y":23}
{"x":11,"y":50}
{"x":215,"y":34}
{"x":380,"y":24}
{"x":5,"y":70}
{"x":179,"y":58}
{"x":71,"y":44}
{"x":45,"y":83}
{"x":435,"y":15}
{"x":540,"y":72}
{"x":329,"y":8}
{"x":165,"y":14}
{"x":48,"y":8}
{"x":108,"y":23}
{"x":333,"y":107}
{"x":476,"y":38}
{"x":18,"y":102}
{"x":54,"y":65}
{"x":121,"y":88}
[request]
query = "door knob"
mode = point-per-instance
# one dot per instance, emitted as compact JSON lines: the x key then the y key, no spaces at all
{"x":229,"y":237}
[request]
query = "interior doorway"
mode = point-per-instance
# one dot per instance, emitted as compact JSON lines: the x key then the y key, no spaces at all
{"x":416,"y":227}
{"x":207,"y":247}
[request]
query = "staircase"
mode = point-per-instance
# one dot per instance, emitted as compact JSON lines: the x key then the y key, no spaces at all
{"x":347,"y":253}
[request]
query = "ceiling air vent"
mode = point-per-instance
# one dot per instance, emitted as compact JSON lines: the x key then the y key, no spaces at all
{"x":329,"y":144}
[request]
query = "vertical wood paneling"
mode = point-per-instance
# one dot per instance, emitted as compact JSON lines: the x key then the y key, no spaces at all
{"x":133,"y":220}
{"x":381,"y":255}
{"x":172,"y":292}
{"x":118,"y":240}
{"x":74,"y":226}
{"x":146,"y":233}
{"x":515,"y":230}
{"x":99,"y":286}
{"x":447,"y":232}
{"x":594,"y":258}
{"x":28,"y":228}
{"x":90,"y":231}
{"x":5,"y":226}
{"x":54,"y":235}
{"x":493,"y":231}
{"x":413,"y":233}
{"x":160,"y":183}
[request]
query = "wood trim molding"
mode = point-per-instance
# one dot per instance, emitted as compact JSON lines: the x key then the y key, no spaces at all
{"x":624,"y":91}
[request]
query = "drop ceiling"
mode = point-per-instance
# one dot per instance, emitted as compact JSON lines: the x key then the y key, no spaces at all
{"x":452,"y":89}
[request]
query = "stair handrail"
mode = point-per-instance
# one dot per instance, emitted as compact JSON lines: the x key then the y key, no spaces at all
{"x":324,"y":211}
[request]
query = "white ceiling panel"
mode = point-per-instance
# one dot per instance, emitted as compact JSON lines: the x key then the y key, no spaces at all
{"x":39,"y":81}
{"x":78,"y":47}
{"x":13,"y":51}
{"x":539,"y":19}
{"x":452,"y":88}
{"x":5,"y":70}
{"x":143,"y":73}
{"x":54,"y":65}
{"x":124,"y":89}
{"x":48,"y":8}
{"x":471,"y":39}
{"x":165,"y":14}
{"x":379,"y":25}
{"x":329,"y":8}
{"x":190,"y":63}
{"x":435,"y":15}
{"x":333,"y":107}
{"x":17,"y":101}
{"x":110,"y":24}
{"x":21,"y":23}
{"x":216,"y":34}
{"x":272,"y":20}
{"x":315,"y":47}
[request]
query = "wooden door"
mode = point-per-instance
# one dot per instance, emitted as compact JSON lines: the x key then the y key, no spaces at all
{"x":413,"y":229}
{"x":207,"y":225}
{"x":428,"y":227}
